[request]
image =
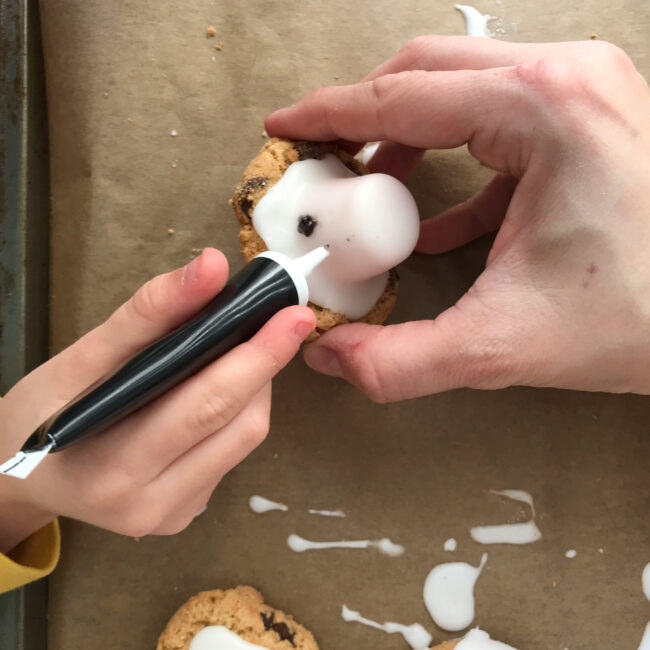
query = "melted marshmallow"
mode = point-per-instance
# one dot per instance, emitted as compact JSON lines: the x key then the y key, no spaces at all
{"x":369,"y":224}
{"x":645,"y":581}
{"x":415,"y":635}
{"x":327,"y":513}
{"x":449,"y":594}
{"x":215,"y":637}
{"x":523,"y":533}
{"x":299,"y":545}
{"x":645,"y":641}
{"x":479,"y":640}
{"x":476,"y":22}
{"x":260,"y":505}
{"x":450,"y":545}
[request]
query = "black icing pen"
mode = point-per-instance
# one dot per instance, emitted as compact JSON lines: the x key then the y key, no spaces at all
{"x":268,"y":283}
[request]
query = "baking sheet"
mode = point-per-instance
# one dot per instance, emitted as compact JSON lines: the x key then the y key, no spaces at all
{"x":123,"y":75}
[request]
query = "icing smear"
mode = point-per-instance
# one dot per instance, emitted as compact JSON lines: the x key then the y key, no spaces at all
{"x":415,"y":635}
{"x":523,"y":533}
{"x":368,"y":223}
{"x":449,"y":594}
{"x":479,"y":640}
{"x":260,"y":505}
{"x":327,"y":513}
{"x":645,"y":581}
{"x":217,"y":636}
{"x":475,"y":22}
{"x":385,"y":546}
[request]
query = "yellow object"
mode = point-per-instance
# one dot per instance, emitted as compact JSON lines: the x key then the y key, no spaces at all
{"x":32,"y":559}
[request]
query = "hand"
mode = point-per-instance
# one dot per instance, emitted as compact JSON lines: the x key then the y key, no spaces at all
{"x":564,"y":299}
{"x":153,"y":471}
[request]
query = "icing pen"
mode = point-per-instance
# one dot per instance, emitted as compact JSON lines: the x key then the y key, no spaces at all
{"x":268,"y":283}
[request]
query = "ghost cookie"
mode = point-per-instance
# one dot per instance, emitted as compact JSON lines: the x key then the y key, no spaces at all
{"x":474,"y":640}
{"x":236,"y":619}
{"x":296,"y":196}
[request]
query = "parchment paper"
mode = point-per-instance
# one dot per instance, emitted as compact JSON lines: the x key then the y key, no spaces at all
{"x":121,"y":76}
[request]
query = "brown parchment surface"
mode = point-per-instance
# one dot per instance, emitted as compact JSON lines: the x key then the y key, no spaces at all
{"x":122,"y":75}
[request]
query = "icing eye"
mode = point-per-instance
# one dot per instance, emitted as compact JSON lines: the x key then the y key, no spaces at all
{"x":306,"y":225}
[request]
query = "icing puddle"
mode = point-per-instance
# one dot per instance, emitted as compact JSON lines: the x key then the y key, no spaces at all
{"x":299,"y":545}
{"x":260,"y":505}
{"x":479,"y":640}
{"x":522,"y":533}
{"x":449,"y":594}
{"x":415,"y":635}
{"x":476,"y":22}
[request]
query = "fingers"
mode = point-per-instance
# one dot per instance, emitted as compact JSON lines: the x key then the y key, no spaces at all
{"x":395,"y":159}
{"x":467,"y":221}
{"x":161,"y":432}
{"x":194,"y":475}
{"x":425,"y":110}
{"x":157,"y":307}
{"x":466,"y":53}
{"x":463,"y":347}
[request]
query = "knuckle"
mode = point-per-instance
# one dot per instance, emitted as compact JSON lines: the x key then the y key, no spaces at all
{"x":213,"y":412}
{"x":138,"y":522}
{"x":257,"y":429}
{"x":366,"y":374}
{"x":412,"y":50}
{"x":603,"y":52}
{"x":145,"y":303}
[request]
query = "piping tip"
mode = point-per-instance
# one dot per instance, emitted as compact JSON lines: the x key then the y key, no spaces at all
{"x":25,"y":462}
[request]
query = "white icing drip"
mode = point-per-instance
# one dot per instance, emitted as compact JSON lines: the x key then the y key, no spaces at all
{"x":369,"y":224}
{"x":450,"y":544}
{"x":215,"y":637}
{"x":645,"y":641}
{"x":368,"y":152}
{"x":327,"y":513}
{"x":299,"y":545}
{"x":479,"y":640}
{"x":571,"y":553}
{"x":522,"y":533}
{"x":200,"y":512}
{"x":449,"y":594}
{"x":260,"y":505}
{"x":476,"y":22}
{"x":415,"y":635}
{"x":645,"y":581}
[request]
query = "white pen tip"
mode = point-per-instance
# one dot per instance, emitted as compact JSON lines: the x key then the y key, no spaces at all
{"x":307,"y":263}
{"x":24,"y":463}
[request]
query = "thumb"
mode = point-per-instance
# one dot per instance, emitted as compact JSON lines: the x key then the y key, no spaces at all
{"x":416,"y":358}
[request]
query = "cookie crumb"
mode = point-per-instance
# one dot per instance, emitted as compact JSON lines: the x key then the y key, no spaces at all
{"x":106,"y":94}
{"x":219,"y":46}
{"x":170,"y":231}
{"x":265,"y":134}
{"x":136,"y":539}
{"x":593,"y":36}
{"x":554,"y":584}
{"x":212,"y":32}
{"x":174,"y":165}
{"x":214,"y":58}
{"x":276,"y":456}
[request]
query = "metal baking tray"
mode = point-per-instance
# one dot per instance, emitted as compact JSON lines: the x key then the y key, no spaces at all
{"x":24,"y":258}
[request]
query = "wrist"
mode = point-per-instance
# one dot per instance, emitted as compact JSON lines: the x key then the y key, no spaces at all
{"x":19,"y":518}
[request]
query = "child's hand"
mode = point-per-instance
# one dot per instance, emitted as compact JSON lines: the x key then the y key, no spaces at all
{"x":153,"y":471}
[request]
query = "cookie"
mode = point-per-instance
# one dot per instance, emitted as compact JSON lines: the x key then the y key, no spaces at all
{"x":243,"y":611}
{"x":262,"y":173}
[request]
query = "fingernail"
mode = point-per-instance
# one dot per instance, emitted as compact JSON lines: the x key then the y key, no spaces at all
{"x":304,"y":329}
{"x":191,"y":270}
{"x":323,"y":360}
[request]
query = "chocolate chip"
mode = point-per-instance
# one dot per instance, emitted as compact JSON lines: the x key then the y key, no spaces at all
{"x":307,"y":150}
{"x":248,"y":186}
{"x":306,"y":225}
{"x":280,"y":628}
